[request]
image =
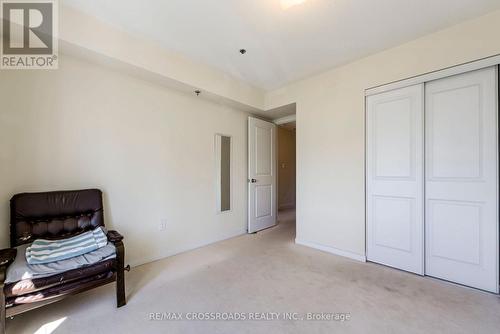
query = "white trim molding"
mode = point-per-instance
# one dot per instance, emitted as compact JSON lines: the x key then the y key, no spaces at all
{"x":431,"y":76}
{"x":332,"y":250}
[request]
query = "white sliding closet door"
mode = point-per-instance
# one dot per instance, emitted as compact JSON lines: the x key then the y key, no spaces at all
{"x":394,"y":179}
{"x":461,"y":224}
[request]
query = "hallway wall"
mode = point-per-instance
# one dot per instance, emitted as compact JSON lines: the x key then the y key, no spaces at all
{"x":286,"y":168}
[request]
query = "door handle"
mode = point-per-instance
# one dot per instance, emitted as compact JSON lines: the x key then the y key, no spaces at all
{"x":253,"y":181}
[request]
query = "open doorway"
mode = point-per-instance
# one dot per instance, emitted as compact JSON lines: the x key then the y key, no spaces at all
{"x":271,"y":170}
{"x":286,"y":171}
{"x":271,"y":173}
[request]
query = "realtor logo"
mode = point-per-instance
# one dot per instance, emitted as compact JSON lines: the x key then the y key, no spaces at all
{"x":29,"y":34}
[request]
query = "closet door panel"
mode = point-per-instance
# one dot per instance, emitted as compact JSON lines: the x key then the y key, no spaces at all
{"x":461,"y":222}
{"x":394,"y":178}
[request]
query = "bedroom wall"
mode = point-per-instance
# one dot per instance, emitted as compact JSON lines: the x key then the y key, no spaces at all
{"x":150,"y":149}
{"x":330,"y":128}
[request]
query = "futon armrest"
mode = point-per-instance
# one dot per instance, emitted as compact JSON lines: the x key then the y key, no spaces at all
{"x":114,"y":236}
{"x":7,"y":256}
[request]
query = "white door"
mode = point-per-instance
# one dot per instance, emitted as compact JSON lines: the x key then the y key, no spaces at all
{"x":261,"y":175}
{"x":394,"y":179}
{"x":461,"y":179}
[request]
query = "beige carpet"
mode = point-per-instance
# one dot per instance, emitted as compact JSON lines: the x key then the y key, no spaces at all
{"x":267,"y":272}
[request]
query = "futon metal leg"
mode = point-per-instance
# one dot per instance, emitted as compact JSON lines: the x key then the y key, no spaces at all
{"x":120,"y":275}
{"x":2,"y":310}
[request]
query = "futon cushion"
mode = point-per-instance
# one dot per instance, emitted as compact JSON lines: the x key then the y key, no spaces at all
{"x":21,"y":270}
{"x":46,"y":251}
{"x":57,"y":214}
{"x":40,"y":286}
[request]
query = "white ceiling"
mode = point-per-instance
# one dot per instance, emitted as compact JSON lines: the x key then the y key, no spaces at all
{"x":283,"y":45}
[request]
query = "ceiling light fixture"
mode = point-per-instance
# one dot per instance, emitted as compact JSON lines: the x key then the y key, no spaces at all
{"x":285,"y":4}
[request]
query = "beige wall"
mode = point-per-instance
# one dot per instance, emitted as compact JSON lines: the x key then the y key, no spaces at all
{"x":286,"y":168}
{"x":330,"y":127}
{"x":150,"y":149}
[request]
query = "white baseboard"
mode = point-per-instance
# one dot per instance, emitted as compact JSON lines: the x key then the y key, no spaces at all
{"x":150,"y":259}
{"x":332,"y":250}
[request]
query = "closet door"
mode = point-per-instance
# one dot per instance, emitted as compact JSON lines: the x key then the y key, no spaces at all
{"x":461,"y":224}
{"x":394,"y":178}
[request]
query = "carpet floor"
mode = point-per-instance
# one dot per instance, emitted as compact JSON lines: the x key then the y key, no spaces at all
{"x":276,"y":286}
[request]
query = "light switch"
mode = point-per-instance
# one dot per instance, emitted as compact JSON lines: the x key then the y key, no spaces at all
{"x":163,"y":225}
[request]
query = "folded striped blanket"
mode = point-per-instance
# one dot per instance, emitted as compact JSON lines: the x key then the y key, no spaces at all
{"x":45,"y":251}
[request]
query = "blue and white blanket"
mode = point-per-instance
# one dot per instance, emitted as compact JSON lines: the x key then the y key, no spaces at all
{"x":45,"y":251}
